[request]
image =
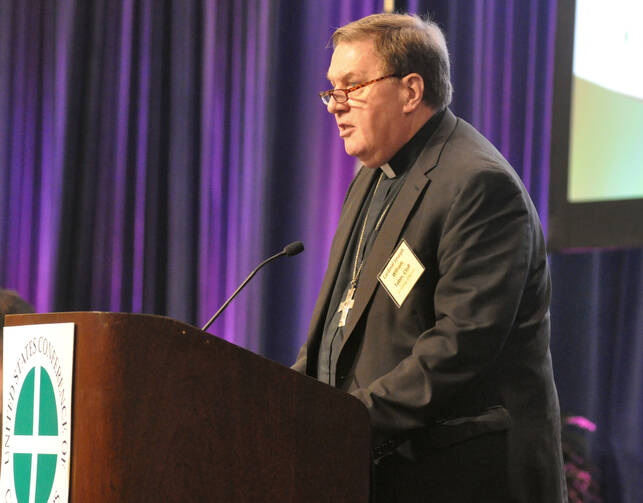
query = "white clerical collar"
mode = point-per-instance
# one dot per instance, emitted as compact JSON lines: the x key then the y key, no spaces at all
{"x":387,"y":170}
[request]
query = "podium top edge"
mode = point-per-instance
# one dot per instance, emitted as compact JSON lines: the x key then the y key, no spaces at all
{"x":61,"y":316}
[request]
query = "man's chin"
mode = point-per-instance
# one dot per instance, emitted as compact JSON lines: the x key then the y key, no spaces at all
{"x":351,"y":149}
{"x":359,"y":155}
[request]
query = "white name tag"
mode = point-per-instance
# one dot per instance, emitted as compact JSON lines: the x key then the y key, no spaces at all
{"x":401,"y":273}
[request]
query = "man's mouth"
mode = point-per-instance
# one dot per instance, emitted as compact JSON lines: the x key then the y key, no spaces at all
{"x":345,"y":129}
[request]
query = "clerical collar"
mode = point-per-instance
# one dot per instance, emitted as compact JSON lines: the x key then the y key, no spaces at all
{"x":406,"y":156}
{"x":388,"y":171}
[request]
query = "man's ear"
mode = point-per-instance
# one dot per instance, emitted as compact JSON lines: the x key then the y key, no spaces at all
{"x":413,"y":85}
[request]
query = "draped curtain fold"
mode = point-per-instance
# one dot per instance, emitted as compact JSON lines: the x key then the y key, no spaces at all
{"x":502,"y":71}
{"x":152,"y":152}
{"x":34,"y":39}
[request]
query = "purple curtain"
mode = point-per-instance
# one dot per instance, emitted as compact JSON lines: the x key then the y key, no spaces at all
{"x":502,"y":71}
{"x":152,"y":152}
{"x":34,"y":40}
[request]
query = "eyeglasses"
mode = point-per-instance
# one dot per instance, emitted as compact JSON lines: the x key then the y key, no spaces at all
{"x":341,"y":95}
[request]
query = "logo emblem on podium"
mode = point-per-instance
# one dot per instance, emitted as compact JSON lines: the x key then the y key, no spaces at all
{"x":36,"y":426}
{"x":37,"y":365}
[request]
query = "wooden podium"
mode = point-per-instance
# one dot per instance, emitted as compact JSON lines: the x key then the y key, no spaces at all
{"x":163,"y":412}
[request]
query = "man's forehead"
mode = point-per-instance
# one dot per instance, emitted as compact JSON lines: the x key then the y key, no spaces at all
{"x":353,"y":60}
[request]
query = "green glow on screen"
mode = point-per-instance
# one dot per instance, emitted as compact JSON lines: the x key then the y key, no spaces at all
{"x":606,"y":136}
{"x":606,"y":144}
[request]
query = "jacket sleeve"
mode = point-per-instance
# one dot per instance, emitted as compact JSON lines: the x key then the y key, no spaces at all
{"x":301,"y":361}
{"x":483,"y":263}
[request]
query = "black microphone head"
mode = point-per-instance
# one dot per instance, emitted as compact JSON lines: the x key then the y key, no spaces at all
{"x":294,"y":248}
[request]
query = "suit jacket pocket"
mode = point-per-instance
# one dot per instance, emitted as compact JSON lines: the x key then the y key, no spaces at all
{"x":447,"y":432}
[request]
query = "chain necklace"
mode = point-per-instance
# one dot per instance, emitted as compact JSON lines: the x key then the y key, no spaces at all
{"x":347,"y":304}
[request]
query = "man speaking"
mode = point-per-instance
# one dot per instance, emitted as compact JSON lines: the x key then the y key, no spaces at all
{"x":434,"y":310}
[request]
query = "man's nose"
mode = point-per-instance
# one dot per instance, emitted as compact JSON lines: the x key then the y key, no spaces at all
{"x":333,"y":107}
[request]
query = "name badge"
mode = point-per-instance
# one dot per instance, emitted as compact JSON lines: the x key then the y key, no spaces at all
{"x":401,"y":273}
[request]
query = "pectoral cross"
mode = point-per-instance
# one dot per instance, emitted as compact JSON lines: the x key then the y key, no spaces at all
{"x":345,"y":306}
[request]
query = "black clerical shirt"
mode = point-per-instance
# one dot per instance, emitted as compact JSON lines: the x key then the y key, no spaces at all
{"x":372,"y":214}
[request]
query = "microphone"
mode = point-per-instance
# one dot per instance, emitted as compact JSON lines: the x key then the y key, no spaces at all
{"x":289,"y":251}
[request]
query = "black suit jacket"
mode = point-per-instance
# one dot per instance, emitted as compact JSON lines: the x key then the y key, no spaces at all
{"x":459,"y":377}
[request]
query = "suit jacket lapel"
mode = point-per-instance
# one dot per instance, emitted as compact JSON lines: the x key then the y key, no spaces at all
{"x":338,"y":247}
{"x":394,"y":221}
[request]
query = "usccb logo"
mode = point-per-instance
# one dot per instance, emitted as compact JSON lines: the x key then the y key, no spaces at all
{"x":36,"y":421}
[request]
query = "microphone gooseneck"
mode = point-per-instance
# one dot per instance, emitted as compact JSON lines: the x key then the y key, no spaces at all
{"x":290,"y":250}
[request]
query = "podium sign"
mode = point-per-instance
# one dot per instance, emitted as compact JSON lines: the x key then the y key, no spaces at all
{"x":37,"y":397}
